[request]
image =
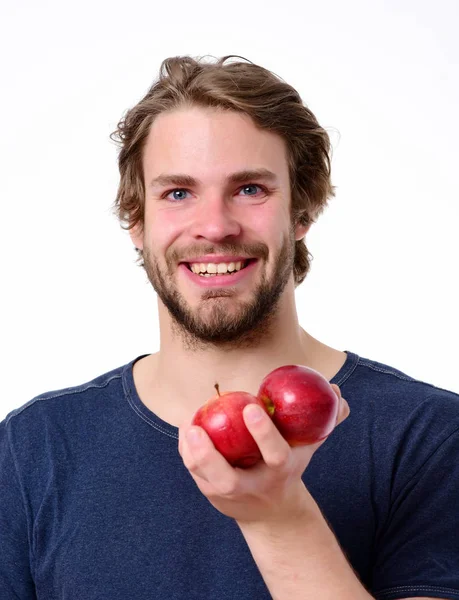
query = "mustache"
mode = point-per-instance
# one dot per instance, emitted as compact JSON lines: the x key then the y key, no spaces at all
{"x":259,"y":250}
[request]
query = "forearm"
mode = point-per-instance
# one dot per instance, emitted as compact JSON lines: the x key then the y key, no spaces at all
{"x":300,"y":558}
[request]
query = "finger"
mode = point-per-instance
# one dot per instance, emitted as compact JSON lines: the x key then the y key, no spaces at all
{"x":182,"y":429}
{"x":202,"y":459}
{"x":344,"y":411}
{"x":274,"y":449}
{"x":343,"y":408}
{"x":180,"y":442}
{"x":336,"y":389}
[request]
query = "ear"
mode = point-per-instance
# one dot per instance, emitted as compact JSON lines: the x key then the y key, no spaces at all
{"x":301,"y":231}
{"x":136,"y":234}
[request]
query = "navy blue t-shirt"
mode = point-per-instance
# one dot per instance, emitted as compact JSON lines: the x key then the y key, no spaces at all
{"x":96,"y":502}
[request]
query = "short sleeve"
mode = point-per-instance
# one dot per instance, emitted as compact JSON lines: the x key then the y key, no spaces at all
{"x":15,"y":576}
{"x":418,"y":553}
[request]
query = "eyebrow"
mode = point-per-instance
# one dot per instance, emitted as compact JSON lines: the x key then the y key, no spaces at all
{"x":238,"y":177}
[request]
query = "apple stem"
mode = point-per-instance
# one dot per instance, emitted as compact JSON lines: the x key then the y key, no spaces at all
{"x":216,"y":387}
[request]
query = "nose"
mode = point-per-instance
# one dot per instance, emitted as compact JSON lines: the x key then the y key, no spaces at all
{"x":214,"y":219}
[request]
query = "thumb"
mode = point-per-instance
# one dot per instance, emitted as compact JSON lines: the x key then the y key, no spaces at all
{"x":343,"y":410}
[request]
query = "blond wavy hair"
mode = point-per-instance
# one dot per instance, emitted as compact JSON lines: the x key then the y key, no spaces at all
{"x":244,"y":87}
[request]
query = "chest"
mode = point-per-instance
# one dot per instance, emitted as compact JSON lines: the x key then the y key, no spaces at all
{"x":133,"y":524}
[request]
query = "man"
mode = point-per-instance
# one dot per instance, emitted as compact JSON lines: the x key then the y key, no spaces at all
{"x":107,"y":489}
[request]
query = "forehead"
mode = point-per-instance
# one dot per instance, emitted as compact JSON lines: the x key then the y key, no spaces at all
{"x":211,"y":143}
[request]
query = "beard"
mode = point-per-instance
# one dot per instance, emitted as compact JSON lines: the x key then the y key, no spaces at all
{"x":218,"y":320}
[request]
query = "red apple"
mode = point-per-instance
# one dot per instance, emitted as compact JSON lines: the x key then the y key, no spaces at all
{"x":221,"y":417}
{"x":301,"y":403}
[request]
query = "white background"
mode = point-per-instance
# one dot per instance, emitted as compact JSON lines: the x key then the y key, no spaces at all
{"x":383,"y":74}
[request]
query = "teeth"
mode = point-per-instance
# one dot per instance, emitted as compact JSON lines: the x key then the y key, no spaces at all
{"x":216,"y":268}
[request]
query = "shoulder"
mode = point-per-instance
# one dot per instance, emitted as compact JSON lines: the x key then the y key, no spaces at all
{"x":66,"y":404}
{"x":401,"y":420}
{"x":387,"y":389}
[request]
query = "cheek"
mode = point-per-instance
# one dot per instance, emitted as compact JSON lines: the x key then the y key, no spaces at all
{"x":269,"y":223}
{"x":163,"y":229}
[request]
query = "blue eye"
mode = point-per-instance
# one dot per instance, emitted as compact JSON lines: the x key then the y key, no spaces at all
{"x":176,"y":190}
{"x":183,"y":190}
{"x":251,"y":185}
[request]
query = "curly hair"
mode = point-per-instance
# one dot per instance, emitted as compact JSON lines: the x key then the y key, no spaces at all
{"x":243,"y":87}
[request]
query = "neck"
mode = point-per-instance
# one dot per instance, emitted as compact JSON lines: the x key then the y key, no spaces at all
{"x":177,"y":380}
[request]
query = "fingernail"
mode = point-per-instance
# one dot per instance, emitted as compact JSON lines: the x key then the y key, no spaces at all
{"x":254,"y":414}
{"x":194,"y":436}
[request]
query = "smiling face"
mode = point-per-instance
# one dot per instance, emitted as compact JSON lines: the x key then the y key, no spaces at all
{"x":222,"y":210}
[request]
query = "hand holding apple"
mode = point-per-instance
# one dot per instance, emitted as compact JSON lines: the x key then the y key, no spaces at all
{"x":221,"y":417}
{"x":300,"y":401}
{"x":273,"y":489}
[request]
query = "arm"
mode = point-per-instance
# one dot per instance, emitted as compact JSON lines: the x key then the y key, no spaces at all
{"x":280,"y":550}
{"x":300,"y":558}
{"x":293,"y":547}
{"x":15,"y":577}
{"x":296,"y":553}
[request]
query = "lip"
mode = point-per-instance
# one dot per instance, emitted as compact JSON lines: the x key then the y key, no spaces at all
{"x":216,"y":258}
{"x":219,"y":280}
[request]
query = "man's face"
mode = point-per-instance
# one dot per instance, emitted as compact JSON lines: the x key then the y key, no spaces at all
{"x":216,"y":216}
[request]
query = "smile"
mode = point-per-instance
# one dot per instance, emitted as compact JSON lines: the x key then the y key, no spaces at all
{"x":219,"y":279}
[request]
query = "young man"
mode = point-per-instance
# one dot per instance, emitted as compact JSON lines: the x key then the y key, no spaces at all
{"x":107,"y":489}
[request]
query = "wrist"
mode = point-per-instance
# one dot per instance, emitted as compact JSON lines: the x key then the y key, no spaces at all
{"x":298,"y":507}
{"x":299,"y":556}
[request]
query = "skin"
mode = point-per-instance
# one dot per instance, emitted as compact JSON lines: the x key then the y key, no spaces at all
{"x":235,"y":336}
{"x":230,"y":336}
